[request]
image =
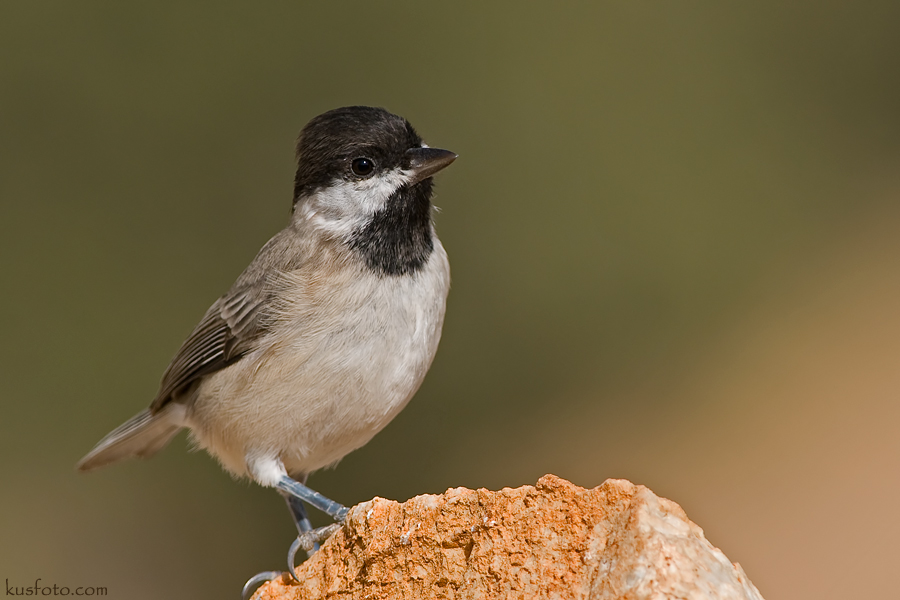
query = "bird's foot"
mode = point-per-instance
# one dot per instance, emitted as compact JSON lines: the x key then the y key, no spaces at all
{"x":309,"y":541}
{"x":296,"y":493}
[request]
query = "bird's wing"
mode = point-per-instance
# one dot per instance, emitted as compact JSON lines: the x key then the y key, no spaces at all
{"x":228,"y":330}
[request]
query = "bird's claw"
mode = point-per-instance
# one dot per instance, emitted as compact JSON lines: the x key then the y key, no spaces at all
{"x":296,"y":493}
{"x":257,"y":580}
{"x":309,"y":541}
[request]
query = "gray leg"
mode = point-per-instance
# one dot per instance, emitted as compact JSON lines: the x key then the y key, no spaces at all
{"x":307,"y":538}
{"x":295,"y":494}
{"x":301,"y":520}
{"x":298,"y":513}
{"x":294,"y":488}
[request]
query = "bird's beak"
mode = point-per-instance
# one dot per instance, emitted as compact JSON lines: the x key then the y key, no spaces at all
{"x":425,"y":162}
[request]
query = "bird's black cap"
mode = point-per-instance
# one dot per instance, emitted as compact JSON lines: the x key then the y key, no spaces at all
{"x":330,"y":141}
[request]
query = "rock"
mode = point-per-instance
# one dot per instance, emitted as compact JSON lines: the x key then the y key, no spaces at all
{"x":553,"y":540}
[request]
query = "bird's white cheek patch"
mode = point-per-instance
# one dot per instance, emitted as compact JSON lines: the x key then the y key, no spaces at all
{"x":345,"y":205}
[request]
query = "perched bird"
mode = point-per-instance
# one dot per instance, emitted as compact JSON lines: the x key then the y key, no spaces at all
{"x":328,"y":333}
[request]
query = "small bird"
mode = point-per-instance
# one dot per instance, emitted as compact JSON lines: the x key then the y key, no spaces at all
{"x":327,"y":334}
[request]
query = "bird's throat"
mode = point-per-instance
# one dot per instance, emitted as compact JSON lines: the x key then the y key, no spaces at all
{"x":398,"y":238}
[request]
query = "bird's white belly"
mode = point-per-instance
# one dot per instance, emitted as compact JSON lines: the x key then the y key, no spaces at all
{"x":351,"y":359}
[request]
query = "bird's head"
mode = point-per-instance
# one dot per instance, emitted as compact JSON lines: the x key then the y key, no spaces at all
{"x":364,"y":176}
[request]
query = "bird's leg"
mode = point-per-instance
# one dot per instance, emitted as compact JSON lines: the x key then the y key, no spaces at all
{"x":294,"y":488}
{"x":301,"y":520}
{"x":308,"y":538}
{"x":304,"y":528}
{"x":295,"y":494}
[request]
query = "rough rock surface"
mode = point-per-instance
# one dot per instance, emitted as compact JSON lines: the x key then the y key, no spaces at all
{"x":553,"y":540}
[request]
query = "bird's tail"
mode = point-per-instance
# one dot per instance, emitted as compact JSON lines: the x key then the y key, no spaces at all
{"x":143,"y":435}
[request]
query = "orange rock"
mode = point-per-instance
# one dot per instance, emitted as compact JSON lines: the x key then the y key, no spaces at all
{"x":553,"y":540}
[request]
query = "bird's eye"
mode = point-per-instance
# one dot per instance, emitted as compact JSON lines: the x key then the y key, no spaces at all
{"x":363,"y":166}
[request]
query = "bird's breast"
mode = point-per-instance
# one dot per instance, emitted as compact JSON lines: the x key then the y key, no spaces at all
{"x":345,"y":353}
{"x":354,"y":323}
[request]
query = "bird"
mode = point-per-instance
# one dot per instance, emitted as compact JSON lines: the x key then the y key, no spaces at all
{"x":327,"y":334}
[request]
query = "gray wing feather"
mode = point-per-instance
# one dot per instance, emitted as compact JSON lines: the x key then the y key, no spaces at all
{"x":227,"y":331}
{"x":233,"y":324}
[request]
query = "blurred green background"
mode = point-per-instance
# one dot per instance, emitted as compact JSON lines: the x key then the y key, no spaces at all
{"x":674,"y":230}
